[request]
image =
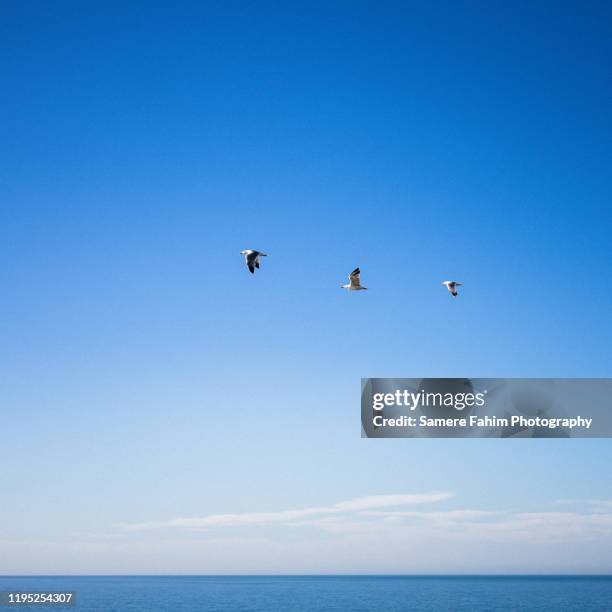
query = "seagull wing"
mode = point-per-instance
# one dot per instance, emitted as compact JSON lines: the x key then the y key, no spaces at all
{"x":355,"y":277}
{"x":251,"y":260}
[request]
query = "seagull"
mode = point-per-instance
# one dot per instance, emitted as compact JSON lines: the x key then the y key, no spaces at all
{"x":252,"y":258}
{"x":354,"y":284}
{"x":452,"y":287}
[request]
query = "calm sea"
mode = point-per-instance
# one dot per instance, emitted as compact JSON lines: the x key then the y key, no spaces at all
{"x":314,"y":593}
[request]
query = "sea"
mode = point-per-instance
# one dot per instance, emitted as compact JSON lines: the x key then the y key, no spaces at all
{"x":318,"y":593}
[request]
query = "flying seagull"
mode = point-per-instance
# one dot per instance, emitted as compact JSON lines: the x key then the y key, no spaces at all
{"x":252,"y":258}
{"x":452,"y":287}
{"x":354,"y":284}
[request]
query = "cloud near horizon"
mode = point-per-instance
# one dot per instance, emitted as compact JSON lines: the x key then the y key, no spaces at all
{"x":355,"y":505}
{"x":371,"y":534}
{"x":383,"y":515}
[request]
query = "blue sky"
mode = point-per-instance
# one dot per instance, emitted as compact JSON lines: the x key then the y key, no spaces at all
{"x":147,"y":376}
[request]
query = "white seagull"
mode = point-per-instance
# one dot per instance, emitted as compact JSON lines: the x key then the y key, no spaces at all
{"x":354,"y":281}
{"x":452,"y":287}
{"x":252,"y":258}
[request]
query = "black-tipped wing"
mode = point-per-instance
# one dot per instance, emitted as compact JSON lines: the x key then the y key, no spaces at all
{"x":251,"y":260}
{"x":355,"y":277}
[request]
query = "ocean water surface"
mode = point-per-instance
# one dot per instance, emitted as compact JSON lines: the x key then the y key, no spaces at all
{"x":320,"y":593}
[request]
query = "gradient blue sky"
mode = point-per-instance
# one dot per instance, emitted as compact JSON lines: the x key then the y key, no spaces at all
{"x":146,"y":375}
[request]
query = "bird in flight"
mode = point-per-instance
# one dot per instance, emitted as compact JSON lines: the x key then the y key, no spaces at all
{"x":354,"y":281}
{"x":452,"y":287}
{"x":252,"y":258}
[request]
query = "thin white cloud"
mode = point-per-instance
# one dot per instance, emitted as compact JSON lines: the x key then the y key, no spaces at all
{"x":388,"y":501}
{"x":468,"y":525}
{"x":291,"y":516}
{"x":372,"y":534}
{"x":362,"y":535}
{"x":448,"y":515}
